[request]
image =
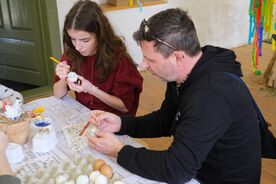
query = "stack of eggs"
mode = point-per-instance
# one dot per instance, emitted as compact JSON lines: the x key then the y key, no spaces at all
{"x":85,"y":170}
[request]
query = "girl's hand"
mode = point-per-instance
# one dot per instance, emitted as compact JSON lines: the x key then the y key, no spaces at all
{"x":62,"y":70}
{"x":83,"y":85}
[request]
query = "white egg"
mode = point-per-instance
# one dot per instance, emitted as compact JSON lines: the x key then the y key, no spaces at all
{"x":82,"y":179}
{"x":61,"y":178}
{"x":101,"y":179}
{"x":92,"y":130}
{"x":118,"y":182}
{"x":72,"y":76}
{"x":93,"y":175}
{"x":75,"y":173}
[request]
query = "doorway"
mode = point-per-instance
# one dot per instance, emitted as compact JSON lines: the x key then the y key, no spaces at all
{"x":26,"y":42}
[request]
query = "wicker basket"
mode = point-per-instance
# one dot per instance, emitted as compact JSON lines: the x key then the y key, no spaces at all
{"x":18,"y":130}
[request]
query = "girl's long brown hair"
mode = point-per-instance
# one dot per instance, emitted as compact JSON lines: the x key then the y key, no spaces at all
{"x":87,"y":16}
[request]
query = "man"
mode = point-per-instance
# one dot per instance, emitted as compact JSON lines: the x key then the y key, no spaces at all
{"x":206,"y":110}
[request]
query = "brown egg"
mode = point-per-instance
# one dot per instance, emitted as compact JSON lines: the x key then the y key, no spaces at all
{"x":107,"y":171}
{"x":98,"y":164}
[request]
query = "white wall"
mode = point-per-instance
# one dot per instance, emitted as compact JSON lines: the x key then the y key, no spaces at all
{"x":219,"y":22}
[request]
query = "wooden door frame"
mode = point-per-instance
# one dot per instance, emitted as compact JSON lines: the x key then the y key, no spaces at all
{"x":51,"y":45}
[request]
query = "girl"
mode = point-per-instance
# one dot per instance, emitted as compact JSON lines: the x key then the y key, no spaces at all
{"x":108,"y":78}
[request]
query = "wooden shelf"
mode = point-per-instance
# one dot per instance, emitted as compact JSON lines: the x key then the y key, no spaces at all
{"x":108,"y":7}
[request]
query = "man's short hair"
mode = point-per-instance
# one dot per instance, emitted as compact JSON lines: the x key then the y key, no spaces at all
{"x":171,"y":29}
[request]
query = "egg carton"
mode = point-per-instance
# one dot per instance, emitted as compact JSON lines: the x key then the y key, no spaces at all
{"x":80,"y":171}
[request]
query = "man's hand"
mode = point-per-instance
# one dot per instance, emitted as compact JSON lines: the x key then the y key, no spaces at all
{"x":105,"y":142}
{"x":105,"y":121}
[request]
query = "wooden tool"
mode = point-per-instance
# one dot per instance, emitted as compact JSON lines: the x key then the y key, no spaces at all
{"x":84,"y":128}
